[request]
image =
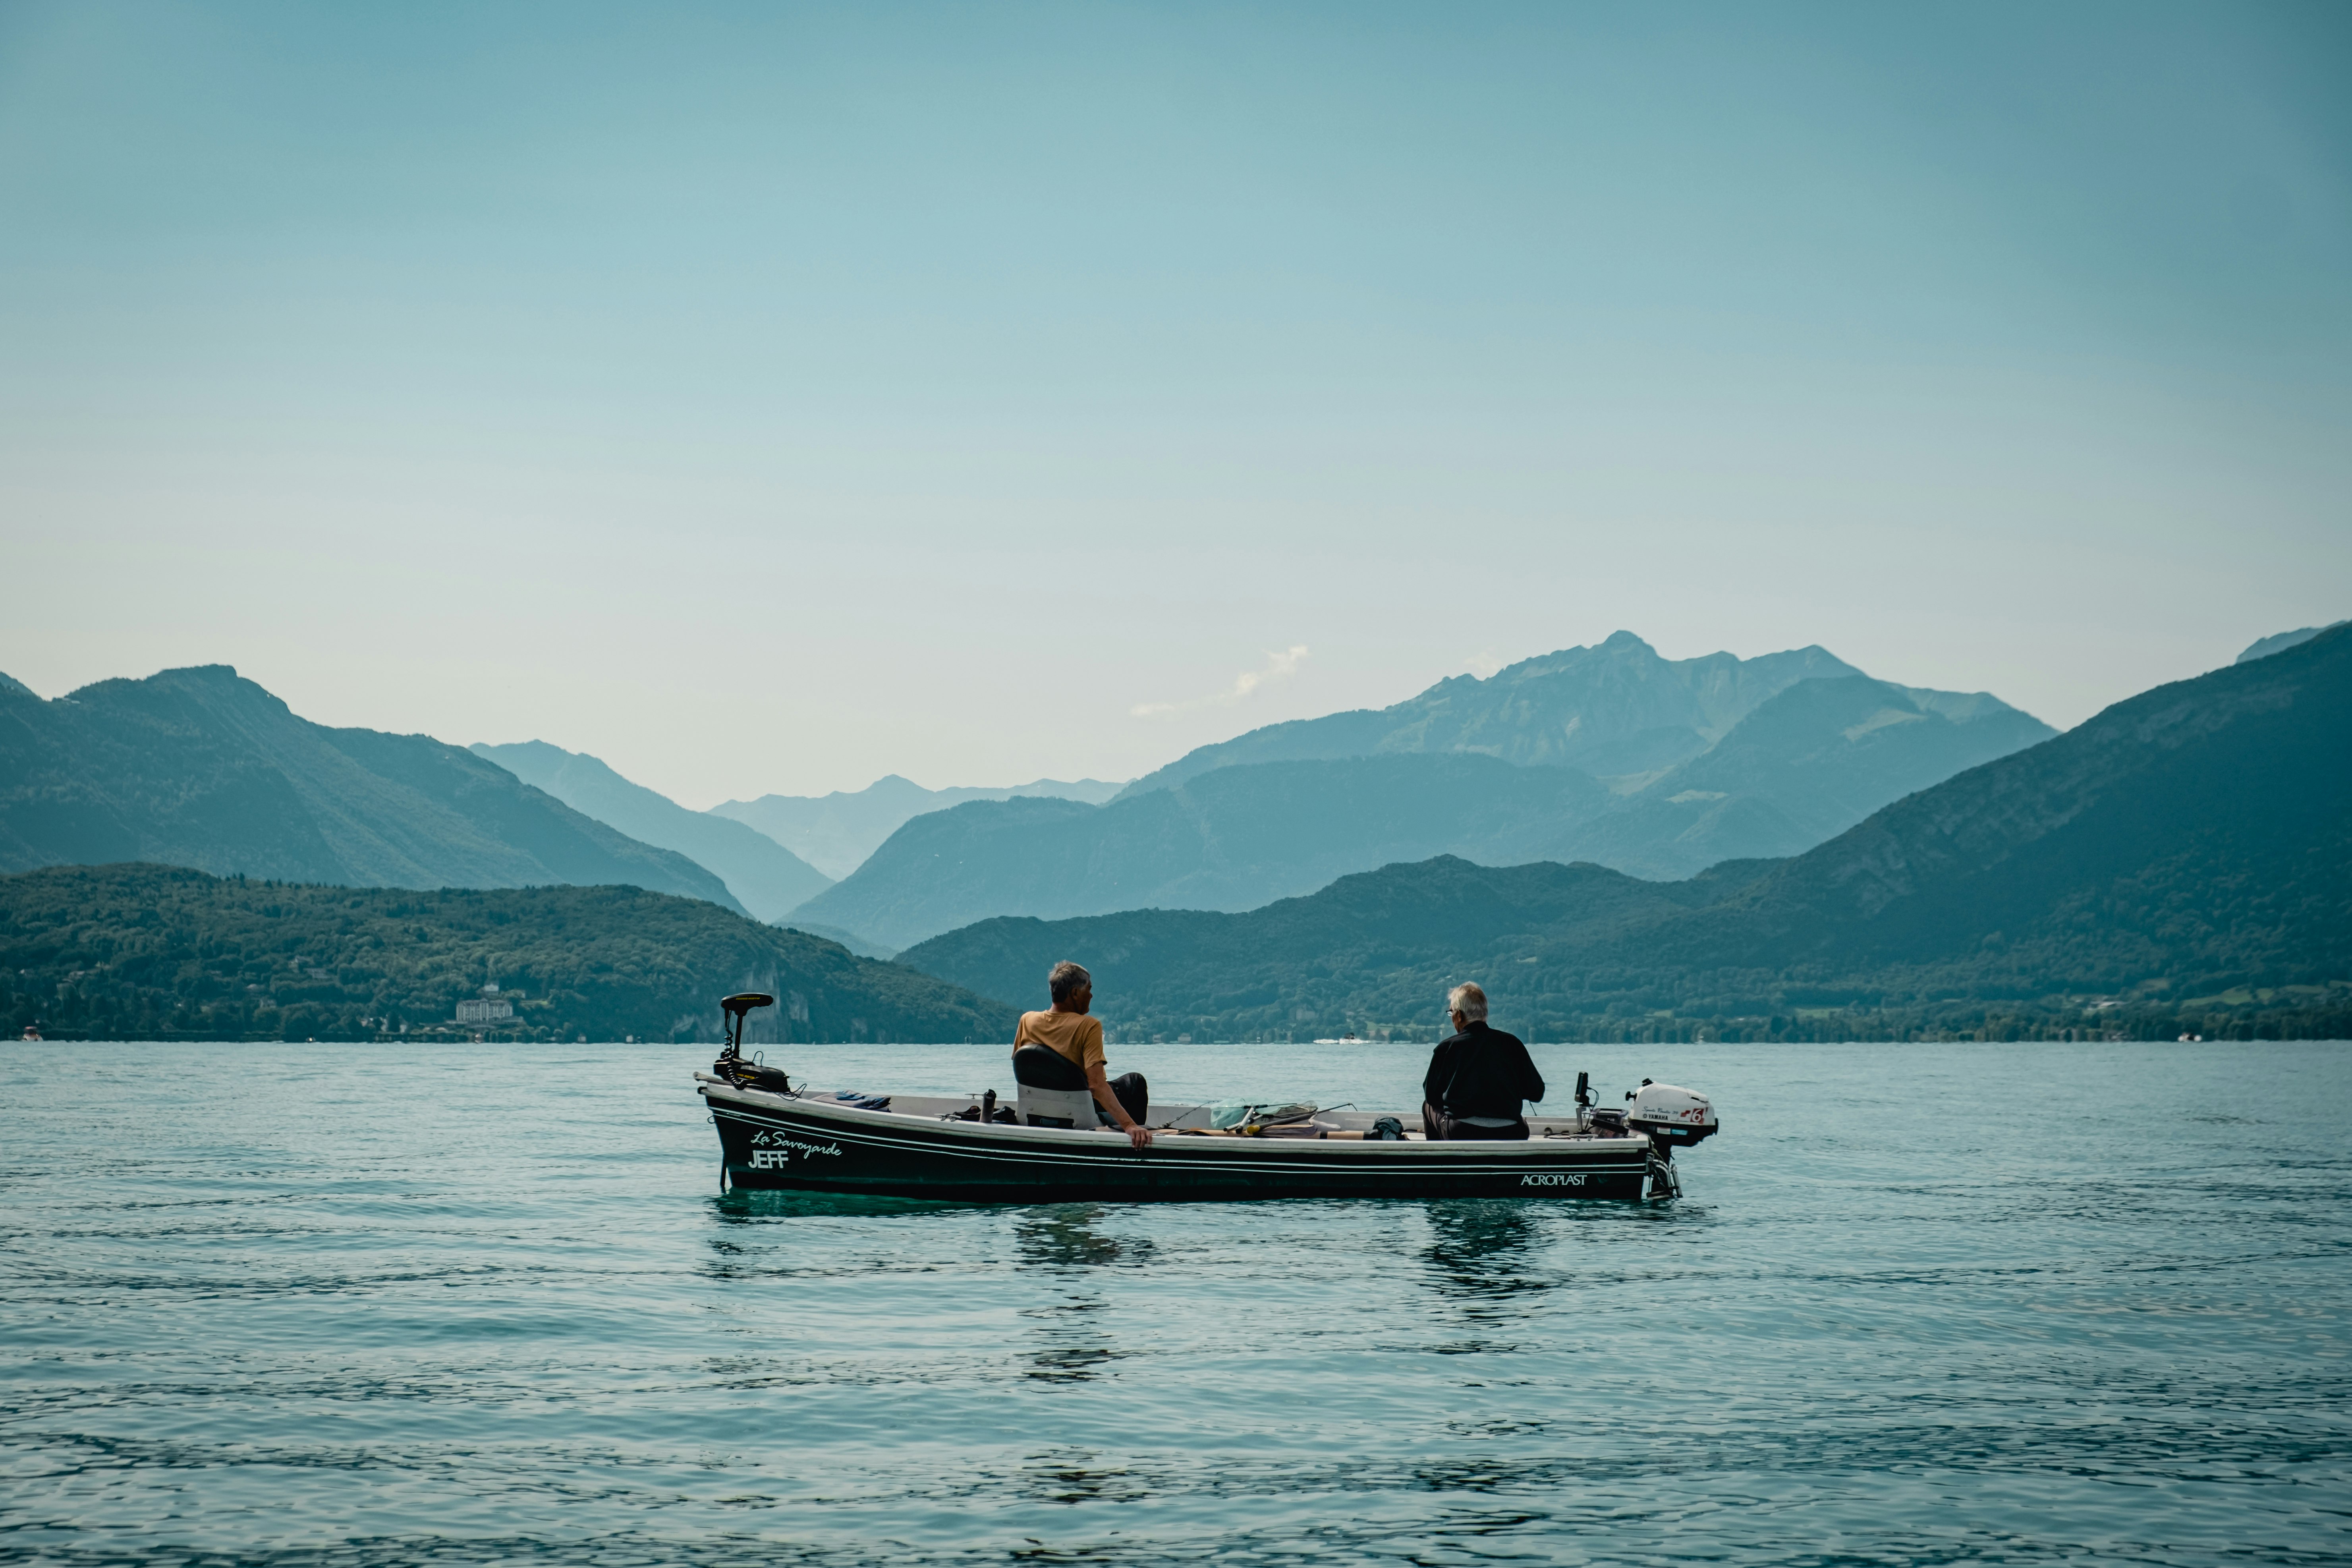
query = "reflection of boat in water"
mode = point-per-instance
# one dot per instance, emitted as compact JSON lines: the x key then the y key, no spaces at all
{"x":773,"y":1136}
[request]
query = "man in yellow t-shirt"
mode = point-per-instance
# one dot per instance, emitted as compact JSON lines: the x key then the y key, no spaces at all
{"x":1064,"y":1050}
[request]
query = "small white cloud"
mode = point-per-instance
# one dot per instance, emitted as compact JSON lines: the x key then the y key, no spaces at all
{"x":1483,"y":664}
{"x":1278,"y":666}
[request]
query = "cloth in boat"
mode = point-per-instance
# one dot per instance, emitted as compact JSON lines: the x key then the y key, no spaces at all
{"x":851,"y":1096}
{"x":1075,"y":1038}
{"x":1481,"y":1075}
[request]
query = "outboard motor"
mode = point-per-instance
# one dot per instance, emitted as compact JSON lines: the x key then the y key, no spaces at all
{"x":1673,"y":1117}
{"x":731,"y":1064}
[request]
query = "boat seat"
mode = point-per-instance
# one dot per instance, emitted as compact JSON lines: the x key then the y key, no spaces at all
{"x":1058,"y":1108}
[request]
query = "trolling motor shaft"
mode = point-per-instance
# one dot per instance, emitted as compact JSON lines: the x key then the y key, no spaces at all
{"x":731,"y":1064}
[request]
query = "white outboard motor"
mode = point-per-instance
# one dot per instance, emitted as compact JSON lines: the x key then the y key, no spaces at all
{"x":1673,"y":1117}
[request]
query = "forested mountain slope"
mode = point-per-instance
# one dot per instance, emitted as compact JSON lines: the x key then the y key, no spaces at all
{"x":2200,"y":831}
{"x":1361,"y":953}
{"x":161,"y":952}
{"x":2181,"y":862}
{"x":766,"y":879}
{"x":200,"y":767}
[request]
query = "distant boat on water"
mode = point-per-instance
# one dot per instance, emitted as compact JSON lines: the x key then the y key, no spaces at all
{"x":1347,"y":1039}
{"x":32,"y":1032}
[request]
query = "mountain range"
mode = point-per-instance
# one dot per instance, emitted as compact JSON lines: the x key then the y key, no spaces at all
{"x":768,"y":880}
{"x":203,"y":768}
{"x":1234,"y":838}
{"x":1744,"y":759}
{"x":2179,"y":862}
{"x":2183,"y":860}
{"x":836,"y":833}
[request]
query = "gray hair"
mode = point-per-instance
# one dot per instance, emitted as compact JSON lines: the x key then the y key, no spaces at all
{"x":1468,"y":1000}
{"x":1066,"y":979}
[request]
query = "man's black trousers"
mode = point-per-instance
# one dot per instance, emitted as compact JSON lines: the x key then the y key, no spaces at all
{"x":1443,"y":1129}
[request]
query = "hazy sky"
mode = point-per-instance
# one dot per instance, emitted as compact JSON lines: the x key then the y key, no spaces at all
{"x":768,"y":398}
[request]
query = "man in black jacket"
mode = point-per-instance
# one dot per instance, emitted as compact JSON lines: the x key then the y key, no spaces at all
{"x":1478,"y":1077}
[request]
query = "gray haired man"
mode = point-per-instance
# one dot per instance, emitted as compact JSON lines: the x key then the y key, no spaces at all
{"x":1063,"y":1048}
{"x":1477,"y":1076}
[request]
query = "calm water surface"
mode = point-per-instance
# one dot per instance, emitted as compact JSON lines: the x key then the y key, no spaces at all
{"x":2006,"y":1303}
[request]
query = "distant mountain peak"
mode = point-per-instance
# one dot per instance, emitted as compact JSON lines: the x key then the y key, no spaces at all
{"x":191,"y":675}
{"x":207,"y":683}
{"x":836,"y":832}
{"x":766,"y":879}
{"x":2281,"y":641}
{"x":1618,"y":708}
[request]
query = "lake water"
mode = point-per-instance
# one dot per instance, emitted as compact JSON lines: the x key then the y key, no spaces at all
{"x":1918,"y":1304}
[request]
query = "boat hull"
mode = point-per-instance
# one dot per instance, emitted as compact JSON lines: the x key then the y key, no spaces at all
{"x":779,"y":1142}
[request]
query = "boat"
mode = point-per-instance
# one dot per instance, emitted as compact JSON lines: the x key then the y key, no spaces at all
{"x":1044,"y":1148}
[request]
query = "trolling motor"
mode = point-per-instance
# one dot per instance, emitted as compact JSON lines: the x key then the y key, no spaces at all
{"x":1608,"y":1123}
{"x":731,"y":1064}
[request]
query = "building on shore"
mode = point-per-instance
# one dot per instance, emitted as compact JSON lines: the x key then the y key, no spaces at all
{"x":491,"y":1006}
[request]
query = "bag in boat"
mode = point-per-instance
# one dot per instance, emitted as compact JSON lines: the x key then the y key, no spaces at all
{"x":1227,"y":1114}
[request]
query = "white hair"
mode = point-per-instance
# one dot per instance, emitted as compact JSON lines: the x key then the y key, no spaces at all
{"x":1468,"y":1000}
{"x":1066,"y":979}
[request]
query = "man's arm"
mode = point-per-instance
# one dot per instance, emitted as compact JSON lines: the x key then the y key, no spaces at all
{"x":1137,"y":1132}
{"x":1531,"y":1084}
{"x":1433,"y":1082}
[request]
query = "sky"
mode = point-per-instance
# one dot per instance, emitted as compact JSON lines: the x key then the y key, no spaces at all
{"x":765,"y":398}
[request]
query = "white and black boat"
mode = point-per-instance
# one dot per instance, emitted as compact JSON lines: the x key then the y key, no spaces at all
{"x":1047,"y":1145}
